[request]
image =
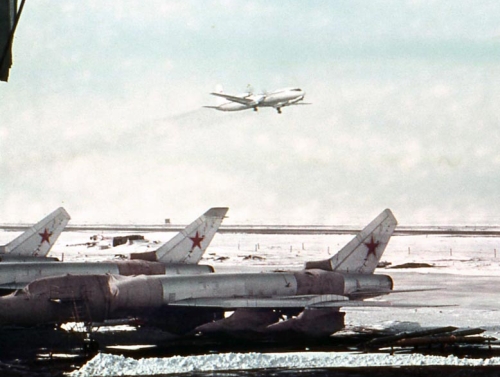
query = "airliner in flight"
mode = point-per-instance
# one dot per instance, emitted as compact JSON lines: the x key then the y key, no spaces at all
{"x":277,"y":99}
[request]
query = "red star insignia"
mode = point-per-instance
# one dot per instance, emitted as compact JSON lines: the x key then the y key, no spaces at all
{"x":45,"y":236}
{"x":196,"y":240}
{"x":372,"y":247}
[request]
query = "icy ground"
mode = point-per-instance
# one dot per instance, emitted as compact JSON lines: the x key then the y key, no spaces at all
{"x":466,"y":271}
{"x":109,"y":365}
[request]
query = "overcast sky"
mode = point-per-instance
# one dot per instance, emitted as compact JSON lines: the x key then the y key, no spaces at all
{"x":103,"y":111}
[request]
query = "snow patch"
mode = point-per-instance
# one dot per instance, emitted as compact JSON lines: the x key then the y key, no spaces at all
{"x":113,"y":365}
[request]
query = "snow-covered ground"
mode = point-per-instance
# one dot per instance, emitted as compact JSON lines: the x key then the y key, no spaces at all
{"x":466,"y":272}
{"x":110,"y":365}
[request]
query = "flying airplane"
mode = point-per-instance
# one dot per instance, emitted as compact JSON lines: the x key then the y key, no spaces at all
{"x":179,"y":255}
{"x":277,"y":99}
{"x":35,"y":243}
{"x":309,"y":299}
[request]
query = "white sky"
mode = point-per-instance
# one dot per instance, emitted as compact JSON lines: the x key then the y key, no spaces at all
{"x":103,"y":111}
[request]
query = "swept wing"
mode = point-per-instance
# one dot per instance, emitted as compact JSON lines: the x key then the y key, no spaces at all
{"x":243,"y":100}
{"x":285,"y":302}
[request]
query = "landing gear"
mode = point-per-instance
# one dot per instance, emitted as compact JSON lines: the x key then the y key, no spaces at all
{"x":278,"y":109}
{"x":255,"y":108}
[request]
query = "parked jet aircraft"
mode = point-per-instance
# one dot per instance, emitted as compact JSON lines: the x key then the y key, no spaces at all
{"x":277,"y":99}
{"x":35,"y":243}
{"x":310,"y":298}
{"x":180,"y":255}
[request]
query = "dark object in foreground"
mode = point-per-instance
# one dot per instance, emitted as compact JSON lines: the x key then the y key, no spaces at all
{"x":413,"y":265}
{"x":441,"y":338}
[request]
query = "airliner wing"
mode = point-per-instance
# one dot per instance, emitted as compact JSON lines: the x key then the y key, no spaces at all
{"x":242,"y":100}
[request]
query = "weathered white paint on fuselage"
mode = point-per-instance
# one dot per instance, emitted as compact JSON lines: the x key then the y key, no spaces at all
{"x":282,"y":97}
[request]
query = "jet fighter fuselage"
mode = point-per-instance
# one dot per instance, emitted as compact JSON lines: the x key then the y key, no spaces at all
{"x":18,"y":275}
{"x":114,"y":297}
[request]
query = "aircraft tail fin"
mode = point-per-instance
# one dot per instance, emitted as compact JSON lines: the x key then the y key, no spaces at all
{"x":219,"y":100}
{"x":362,"y":254}
{"x":189,"y":245}
{"x":218,"y":88}
{"x":39,"y":239}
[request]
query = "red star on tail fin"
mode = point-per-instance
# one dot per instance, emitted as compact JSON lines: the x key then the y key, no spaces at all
{"x":372,"y":247}
{"x":196,"y":240}
{"x":45,"y":236}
